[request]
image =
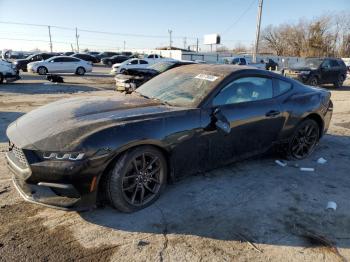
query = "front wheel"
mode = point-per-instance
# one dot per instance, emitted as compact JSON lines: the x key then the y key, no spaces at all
{"x":339,"y":82}
{"x":80,"y":71}
{"x":137,"y":179}
{"x":42,"y":70}
{"x":304,"y":140}
{"x":313,"y":81}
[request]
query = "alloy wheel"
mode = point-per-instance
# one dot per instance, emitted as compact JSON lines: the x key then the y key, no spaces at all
{"x":141,"y":182}
{"x":304,"y":141}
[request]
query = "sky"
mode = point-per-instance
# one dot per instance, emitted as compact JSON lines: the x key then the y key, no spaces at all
{"x":145,"y":23}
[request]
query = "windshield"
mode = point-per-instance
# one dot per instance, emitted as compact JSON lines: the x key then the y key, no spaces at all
{"x":312,"y":63}
{"x":161,"y":66}
{"x":181,"y":87}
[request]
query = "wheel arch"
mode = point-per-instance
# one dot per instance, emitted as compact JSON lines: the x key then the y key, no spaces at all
{"x":318,"y":119}
{"x":123,"y":149}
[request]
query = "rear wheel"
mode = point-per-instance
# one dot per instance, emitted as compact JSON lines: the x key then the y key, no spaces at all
{"x":42,"y":70}
{"x":304,"y":140}
{"x":137,"y":179}
{"x":313,"y":81}
{"x":80,"y":71}
{"x":339,"y":82}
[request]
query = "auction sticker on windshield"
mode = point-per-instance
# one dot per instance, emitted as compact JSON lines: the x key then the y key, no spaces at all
{"x":210,"y":78}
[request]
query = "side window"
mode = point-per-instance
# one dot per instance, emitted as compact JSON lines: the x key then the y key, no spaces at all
{"x":282,"y":87}
{"x":134,"y":62}
{"x":143,"y":62}
{"x":242,"y":61}
{"x":334,"y":63}
{"x":244,"y":89}
{"x":235,"y":61}
{"x":326,"y":64}
{"x":151,"y":56}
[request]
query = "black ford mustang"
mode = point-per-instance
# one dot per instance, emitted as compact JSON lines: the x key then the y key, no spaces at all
{"x":188,"y":119}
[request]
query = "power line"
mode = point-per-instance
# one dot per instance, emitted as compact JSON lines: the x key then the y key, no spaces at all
{"x":240,"y":17}
{"x":93,"y":31}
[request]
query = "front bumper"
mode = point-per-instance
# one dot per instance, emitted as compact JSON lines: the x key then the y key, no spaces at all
{"x":70,"y":186}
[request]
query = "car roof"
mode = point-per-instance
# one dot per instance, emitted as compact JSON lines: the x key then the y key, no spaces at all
{"x":222,"y":69}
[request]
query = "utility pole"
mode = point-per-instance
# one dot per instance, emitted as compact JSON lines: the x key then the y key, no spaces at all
{"x":170,"y":40}
{"x":258,"y":22}
{"x":185,"y":43}
{"x":197,"y":45}
{"x":77,"y":38}
{"x":124,"y":44}
{"x":49,"y":27}
{"x":71,"y":45}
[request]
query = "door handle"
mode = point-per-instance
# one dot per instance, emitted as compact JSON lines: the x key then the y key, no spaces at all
{"x":272,"y":113}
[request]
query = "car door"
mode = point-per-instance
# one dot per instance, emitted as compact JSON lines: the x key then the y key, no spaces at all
{"x":253,"y":117}
{"x":326,"y":71}
{"x":55,"y":65}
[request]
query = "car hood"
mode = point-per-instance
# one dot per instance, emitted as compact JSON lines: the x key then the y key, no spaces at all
{"x":62,"y":125}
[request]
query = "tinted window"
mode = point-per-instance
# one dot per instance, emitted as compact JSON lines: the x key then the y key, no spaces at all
{"x":134,"y":62}
{"x":282,"y":87}
{"x":58,"y":59}
{"x":151,"y":56}
{"x":326,"y":63}
{"x":244,"y":89}
{"x":69,"y":59}
{"x":334,"y":63}
{"x":235,"y":61}
{"x":143,"y":62}
{"x":242,"y":61}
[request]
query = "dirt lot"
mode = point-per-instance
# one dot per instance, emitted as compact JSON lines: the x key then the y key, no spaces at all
{"x":249,"y":211}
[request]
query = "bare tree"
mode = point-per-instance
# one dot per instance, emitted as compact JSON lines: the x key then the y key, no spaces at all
{"x":322,"y":36}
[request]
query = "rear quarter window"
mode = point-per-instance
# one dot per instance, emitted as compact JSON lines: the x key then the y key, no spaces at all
{"x":281,"y":87}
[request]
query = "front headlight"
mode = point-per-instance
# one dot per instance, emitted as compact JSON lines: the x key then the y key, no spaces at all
{"x":304,"y":72}
{"x":62,"y":156}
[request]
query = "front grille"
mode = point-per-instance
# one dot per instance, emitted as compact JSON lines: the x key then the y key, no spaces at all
{"x":19,"y":155}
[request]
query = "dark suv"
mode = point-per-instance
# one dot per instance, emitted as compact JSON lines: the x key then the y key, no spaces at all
{"x":316,"y":71}
{"x":21,"y":64}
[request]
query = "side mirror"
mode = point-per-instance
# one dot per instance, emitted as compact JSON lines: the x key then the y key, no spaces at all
{"x":221,"y":121}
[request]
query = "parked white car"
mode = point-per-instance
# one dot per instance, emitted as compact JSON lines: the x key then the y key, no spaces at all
{"x":131,"y":63}
{"x":60,"y":64}
{"x":7,"y":72}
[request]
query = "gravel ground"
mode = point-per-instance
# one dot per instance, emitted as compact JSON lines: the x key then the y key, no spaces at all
{"x":249,"y":211}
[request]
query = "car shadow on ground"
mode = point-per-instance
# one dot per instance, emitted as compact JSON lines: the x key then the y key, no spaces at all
{"x":255,"y":200}
{"x":45,"y":88}
{"x":5,"y":119}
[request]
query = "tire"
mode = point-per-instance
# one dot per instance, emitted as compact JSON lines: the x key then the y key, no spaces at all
{"x":42,"y":70}
{"x":1,"y":78}
{"x":131,"y":178}
{"x":313,"y":81}
{"x":303,"y":141}
{"x":80,"y":71}
{"x":339,"y":82}
{"x":123,"y":71}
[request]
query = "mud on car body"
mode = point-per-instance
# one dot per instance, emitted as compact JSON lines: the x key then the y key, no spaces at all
{"x":186,"y":120}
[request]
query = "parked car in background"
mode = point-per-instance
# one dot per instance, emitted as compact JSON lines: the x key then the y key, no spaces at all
{"x":60,"y":64}
{"x":93,"y":53}
{"x":68,"y":53}
{"x":106,"y":54}
{"x":130,"y":63}
{"x":243,"y":61}
{"x":114,"y":59}
{"x":86,"y":57}
{"x":132,"y":78}
{"x":21,"y":64}
{"x":270,"y":64}
{"x":126,"y":53}
{"x":317,"y":71}
{"x":190,"y":119}
{"x":7,"y":71}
